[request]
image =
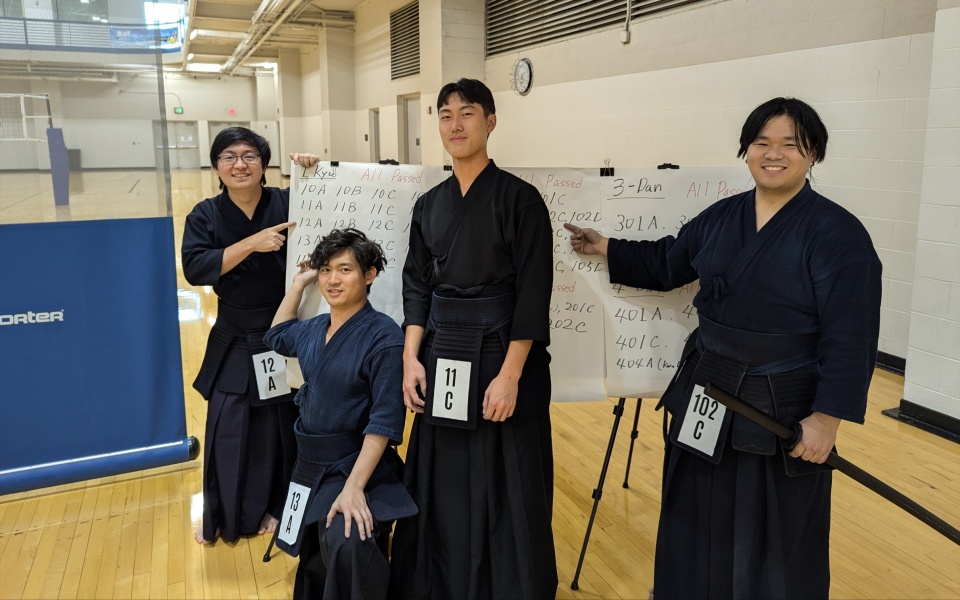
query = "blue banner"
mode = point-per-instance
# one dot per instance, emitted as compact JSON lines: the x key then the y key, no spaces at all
{"x":91,"y":379}
{"x":134,"y":37}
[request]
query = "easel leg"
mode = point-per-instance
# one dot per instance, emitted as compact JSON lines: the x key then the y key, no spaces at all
{"x":598,"y":491}
{"x":633,"y":439}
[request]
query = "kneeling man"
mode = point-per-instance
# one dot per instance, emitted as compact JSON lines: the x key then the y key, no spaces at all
{"x":351,"y":417}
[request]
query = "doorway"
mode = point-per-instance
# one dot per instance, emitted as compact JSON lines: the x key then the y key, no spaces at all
{"x":411,"y":130}
{"x":375,"y":135}
{"x":182,"y":146}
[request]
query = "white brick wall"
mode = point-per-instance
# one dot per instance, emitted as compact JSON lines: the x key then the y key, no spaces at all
{"x":933,"y":356}
{"x":680,"y":91}
{"x":872,"y":95}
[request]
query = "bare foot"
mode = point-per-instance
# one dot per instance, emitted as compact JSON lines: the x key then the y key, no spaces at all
{"x":198,"y":535}
{"x":268,"y":524}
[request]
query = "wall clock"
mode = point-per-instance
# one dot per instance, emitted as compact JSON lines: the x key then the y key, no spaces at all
{"x":522,"y":76}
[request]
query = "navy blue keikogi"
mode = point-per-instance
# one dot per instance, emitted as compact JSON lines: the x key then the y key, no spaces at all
{"x":353,"y":385}
{"x":757,"y":524}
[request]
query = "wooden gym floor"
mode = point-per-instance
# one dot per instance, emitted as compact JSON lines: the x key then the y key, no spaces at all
{"x":131,"y":536}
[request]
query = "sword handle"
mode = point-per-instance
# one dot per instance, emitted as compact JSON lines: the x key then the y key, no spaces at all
{"x":790,"y":443}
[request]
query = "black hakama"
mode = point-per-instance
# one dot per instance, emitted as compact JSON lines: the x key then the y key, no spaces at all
{"x":487,"y":500}
{"x":757,"y":524}
{"x":353,"y":386}
{"x":485,"y":495}
{"x":244,"y":475}
{"x":710,"y":544}
{"x":249,"y":448}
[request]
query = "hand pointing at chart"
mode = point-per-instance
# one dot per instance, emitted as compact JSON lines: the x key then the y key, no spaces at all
{"x":587,"y":241}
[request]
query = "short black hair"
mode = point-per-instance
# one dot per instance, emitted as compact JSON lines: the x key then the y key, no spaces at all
{"x":240,"y":135}
{"x":472,"y":91}
{"x":367,"y":252}
{"x":810,"y":131}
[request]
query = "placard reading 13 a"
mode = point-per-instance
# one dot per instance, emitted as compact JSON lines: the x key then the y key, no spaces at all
{"x":293,"y":512}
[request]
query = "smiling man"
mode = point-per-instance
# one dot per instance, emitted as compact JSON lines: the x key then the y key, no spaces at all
{"x":234,"y":242}
{"x":789,"y":311}
{"x":476,"y":298}
{"x":351,"y":417}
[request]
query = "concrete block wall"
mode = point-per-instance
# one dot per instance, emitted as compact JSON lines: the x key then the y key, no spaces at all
{"x":933,"y":355}
{"x":691,"y":116}
{"x":374,"y":88}
{"x":681,"y":89}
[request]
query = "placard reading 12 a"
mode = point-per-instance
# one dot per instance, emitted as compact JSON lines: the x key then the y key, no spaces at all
{"x":271,"y":370}
{"x":451,"y":389}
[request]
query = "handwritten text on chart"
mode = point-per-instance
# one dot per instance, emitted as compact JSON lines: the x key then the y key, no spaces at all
{"x":641,"y":331}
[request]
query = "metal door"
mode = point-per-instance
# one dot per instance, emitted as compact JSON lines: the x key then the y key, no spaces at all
{"x":411,"y":109}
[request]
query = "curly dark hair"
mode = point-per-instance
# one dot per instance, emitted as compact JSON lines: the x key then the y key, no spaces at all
{"x":368,"y":253}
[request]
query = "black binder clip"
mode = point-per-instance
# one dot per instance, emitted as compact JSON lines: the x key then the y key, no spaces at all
{"x":334,"y":163}
{"x":668,"y":166}
{"x":606,"y":170}
{"x":447,"y":167}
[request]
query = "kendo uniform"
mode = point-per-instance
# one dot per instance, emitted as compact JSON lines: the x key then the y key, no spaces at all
{"x":354,"y":387}
{"x":789,"y":320}
{"x":478,"y":275}
{"x":250,"y":449}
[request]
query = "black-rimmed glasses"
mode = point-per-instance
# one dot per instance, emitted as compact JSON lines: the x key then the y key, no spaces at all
{"x":230,"y":159}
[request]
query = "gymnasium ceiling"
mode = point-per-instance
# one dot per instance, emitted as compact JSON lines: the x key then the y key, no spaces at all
{"x":235,"y":33}
{"x":236,"y":37}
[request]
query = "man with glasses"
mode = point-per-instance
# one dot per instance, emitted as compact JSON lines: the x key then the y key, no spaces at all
{"x":235,"y":243}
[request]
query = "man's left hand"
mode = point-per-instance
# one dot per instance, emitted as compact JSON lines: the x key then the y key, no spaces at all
{"x":500,"y":399}
{"x":353,"y":504}
{"x":818,"y":439}
{"x":306,"y":276}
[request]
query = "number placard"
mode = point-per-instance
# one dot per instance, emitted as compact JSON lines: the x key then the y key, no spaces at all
{"x":293,"y":511}
{"x":451,"y":389}
{"x":271,"y":370}
{"x":702,"y":422}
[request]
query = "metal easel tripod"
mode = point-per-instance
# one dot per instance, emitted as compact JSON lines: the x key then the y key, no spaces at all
{"x":598,"y":491}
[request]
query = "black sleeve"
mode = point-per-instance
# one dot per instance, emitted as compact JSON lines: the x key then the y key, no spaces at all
{"x":662,"y":265}
{"x":846,"y":275}
{"x":416,"y":291}
{"x":533,"y":262}
{"x":201,"y":260}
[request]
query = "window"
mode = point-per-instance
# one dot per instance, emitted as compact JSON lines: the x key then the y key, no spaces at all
{"x":82,"y":11}
{"x":164,"y":13}
{"x":11,"y":8}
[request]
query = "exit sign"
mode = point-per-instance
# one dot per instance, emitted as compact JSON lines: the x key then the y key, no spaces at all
{"x":178,"y":110}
